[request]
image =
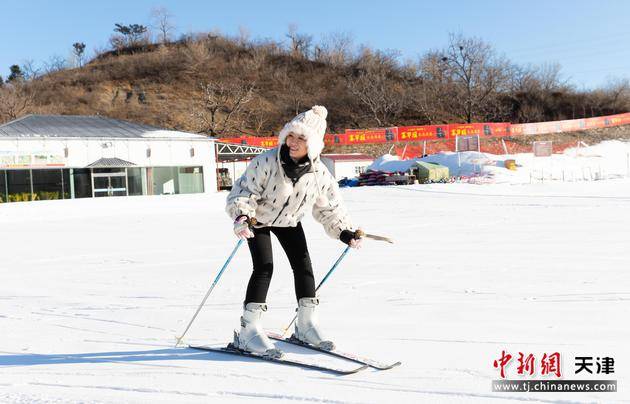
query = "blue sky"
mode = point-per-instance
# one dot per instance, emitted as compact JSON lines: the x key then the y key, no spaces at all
{"x":589,"y":39}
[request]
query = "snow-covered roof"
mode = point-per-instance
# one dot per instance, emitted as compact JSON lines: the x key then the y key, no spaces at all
{"x":85,"y":126}
{"x":465,"y":162}
{"x":391,"y":163}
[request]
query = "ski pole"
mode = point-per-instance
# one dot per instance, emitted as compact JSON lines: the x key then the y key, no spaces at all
{"x":216,"y":280}
{"x":320,"y":284}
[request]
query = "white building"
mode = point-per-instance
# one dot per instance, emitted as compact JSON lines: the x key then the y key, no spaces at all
{"x":346,"y":165}
{"x":66,"y":156}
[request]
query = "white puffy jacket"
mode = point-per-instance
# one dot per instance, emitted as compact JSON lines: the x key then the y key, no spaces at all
{"x":266,"y":193}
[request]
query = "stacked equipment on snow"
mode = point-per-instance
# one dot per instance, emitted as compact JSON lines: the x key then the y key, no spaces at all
{"x":427,"y":172}
{"x":382,"y":178}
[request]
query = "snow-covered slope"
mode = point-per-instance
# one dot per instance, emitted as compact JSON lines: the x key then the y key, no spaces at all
{"x":93,"y":292}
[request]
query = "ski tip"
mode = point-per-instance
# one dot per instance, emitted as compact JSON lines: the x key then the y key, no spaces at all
{"x":350,"y":371}
{"x":393,"y":365}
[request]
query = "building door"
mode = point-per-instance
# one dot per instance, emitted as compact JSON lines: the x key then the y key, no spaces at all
{"x":109,"y":182}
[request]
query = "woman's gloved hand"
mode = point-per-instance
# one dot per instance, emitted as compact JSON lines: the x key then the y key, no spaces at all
{"x":352,"y":238}
{"x":242,"y":228}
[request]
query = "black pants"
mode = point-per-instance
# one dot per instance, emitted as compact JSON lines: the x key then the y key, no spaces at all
{"x":293,"y":243}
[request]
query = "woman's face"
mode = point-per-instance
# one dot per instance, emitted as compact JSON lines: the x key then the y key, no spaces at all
{"x":297,"y":146}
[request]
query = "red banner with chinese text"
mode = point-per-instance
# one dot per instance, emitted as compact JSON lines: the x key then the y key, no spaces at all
{"x":496,"y":129}
{"x":335,"y":139}
{"x":354,"y":136}
{"x":450,"y":131}
{"x":468,"y":129}
{"x":419,"y":133}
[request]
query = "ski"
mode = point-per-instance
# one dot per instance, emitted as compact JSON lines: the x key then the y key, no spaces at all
{"x":230,"y":349}
{"x":351,"y":357}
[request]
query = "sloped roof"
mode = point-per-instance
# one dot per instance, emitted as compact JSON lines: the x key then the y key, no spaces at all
{"x":84,"y":126}
{"x":110,"y":162}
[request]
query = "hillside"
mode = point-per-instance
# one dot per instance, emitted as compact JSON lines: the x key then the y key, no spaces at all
{"x":169,"y":87}
{"x":212,"y":84}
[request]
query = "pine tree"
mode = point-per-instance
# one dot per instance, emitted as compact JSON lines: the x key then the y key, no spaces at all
{"x":16,"y":74}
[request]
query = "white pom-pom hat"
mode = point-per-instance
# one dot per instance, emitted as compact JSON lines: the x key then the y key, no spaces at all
{"x":310,"y":124}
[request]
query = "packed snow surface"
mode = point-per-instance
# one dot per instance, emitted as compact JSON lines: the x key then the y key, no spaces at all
{"x":94,"y":291}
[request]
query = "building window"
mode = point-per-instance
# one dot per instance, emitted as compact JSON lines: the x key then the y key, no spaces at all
{"x":134,"y":181}
{"x":19,"y":185}
{"x":82,"y":183}
{"x":66,"y":183}
{"x":47,"y":184}
{"x":3,"y":187}
{"x":190,"y":180}
{"x":177,"y":180}
{"x":165,"y":181}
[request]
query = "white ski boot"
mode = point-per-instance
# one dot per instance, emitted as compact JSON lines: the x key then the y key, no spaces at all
{"x":252,"y":337}
{"x":307,"y":326}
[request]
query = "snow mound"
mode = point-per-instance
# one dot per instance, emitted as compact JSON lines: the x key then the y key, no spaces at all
{"x":606,"y":160}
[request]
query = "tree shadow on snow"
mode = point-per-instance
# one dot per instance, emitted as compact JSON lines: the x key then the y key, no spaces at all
{"x":172,"y":354}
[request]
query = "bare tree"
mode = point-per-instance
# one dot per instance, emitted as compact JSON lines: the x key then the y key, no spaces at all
{"x":618,"y":93}
{"x":197,"y":55}
{"x":549,"y":77}
{"x":161,"y":20}
{"x":294,"y":97}
{"x":476,"y":73}
{"x":54,"y":64}
{"x":534,"y":93}
{"x":383,"y":98}
{"x":15,"y":100}
{"x":256,"y":118}
{"x":435,"y":89}
{"x":300,"y":43}
{"x":335,"y":48}
{"x":219,"y":105}
{"x":29,"y":70}
{"x":378,"y":87}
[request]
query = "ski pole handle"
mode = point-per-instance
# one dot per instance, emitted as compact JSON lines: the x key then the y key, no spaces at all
{"x":360,"y":234}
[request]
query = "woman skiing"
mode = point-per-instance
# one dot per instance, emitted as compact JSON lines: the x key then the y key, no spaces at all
{"x":277,"y":189}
